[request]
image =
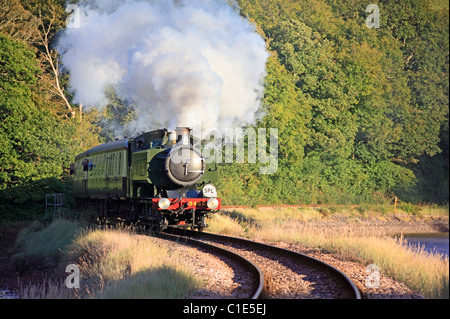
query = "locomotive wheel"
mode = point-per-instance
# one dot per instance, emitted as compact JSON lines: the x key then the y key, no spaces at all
{"x":200,"y":229}
{"x":159,"y":226}
{"x":201,"y":225}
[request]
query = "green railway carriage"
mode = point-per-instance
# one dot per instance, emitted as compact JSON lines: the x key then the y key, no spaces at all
{"x":102,"y":171}
{"x":158,"y":178}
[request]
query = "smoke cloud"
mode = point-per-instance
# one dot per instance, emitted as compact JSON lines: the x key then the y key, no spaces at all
{"x":180,"y":63}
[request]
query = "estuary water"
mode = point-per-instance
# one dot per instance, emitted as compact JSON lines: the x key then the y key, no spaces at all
{"x":431,"y":242}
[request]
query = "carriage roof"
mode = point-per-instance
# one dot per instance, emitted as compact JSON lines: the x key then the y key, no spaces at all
{"x":120,"y":144}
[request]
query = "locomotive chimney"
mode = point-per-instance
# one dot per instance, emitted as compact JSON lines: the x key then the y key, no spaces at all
{"x":172,"y":138}
{"x":183,"y":135}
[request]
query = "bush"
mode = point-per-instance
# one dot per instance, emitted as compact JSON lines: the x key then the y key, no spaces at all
{"x":410,"y":208}
{"x":41,"y":247}
{"x":27,"y":202}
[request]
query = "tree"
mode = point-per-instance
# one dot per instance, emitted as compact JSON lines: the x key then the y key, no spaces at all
{"x":34,"y":143}
{"x":17,"y":22}
{"x":377,"y":98}
{"x":48,"y":19}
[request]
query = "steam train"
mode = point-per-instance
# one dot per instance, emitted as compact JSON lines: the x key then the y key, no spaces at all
{"x":158,"y":179}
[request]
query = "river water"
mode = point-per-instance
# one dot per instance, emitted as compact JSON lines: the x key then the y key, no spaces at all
{"x":430,"y":242}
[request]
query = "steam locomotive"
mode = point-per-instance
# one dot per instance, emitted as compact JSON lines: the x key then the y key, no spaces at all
{"x":158,"y":179}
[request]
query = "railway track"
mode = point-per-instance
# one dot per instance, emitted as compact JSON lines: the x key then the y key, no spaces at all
{"x":252,"y":279}
{"x":283,"y":273}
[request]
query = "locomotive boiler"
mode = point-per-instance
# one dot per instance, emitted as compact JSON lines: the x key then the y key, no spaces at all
{"x":158,"y":179}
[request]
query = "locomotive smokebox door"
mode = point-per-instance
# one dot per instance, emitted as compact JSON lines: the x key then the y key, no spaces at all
{"x":185,"y":165}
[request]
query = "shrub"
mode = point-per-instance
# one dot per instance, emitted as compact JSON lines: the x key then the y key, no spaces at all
{"x":41,"y":247}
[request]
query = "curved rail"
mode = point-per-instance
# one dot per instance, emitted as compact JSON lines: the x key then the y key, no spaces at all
{"x":251,"y":267}
{"x":353,"y":291}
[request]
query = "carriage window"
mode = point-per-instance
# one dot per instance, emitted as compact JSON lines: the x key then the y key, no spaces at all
{"x":85,"y":164}
{"x":94,"y":164}
{"x":113,"y":164}
{"x":120,"y":164}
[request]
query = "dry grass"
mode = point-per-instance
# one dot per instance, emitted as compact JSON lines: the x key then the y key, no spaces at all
{"x":424,"y":272}
{"x":40,"y":246}
{"x":115,"y":264}
{"x":121,"y":264}
{"x":47,"y":290}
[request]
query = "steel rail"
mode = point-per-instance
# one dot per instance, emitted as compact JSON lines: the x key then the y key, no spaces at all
{"x":352,"y":289}
{"x":251,"y":267}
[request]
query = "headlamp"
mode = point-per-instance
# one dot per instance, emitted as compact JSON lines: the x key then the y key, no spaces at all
{"x":163,"y":203}
{"x":212,"y":203}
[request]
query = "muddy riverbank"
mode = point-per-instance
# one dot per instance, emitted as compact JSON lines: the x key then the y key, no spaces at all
{"x":383,"y":224}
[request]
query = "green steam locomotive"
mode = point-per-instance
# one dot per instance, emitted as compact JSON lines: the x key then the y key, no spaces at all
{"x":158,"y":179}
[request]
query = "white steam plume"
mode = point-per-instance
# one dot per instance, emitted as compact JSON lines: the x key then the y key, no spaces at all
{"x":179,"y":62}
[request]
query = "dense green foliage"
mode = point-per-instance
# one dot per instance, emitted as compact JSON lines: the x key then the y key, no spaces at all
{"x":362,"y":114}
{"x":34,"y":144}
{"x":38,"y":140}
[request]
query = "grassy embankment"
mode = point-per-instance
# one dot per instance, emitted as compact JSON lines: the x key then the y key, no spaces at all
{"x":351,"y":233}
{"x":113,"y":263}
{"x":120,"y":264}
